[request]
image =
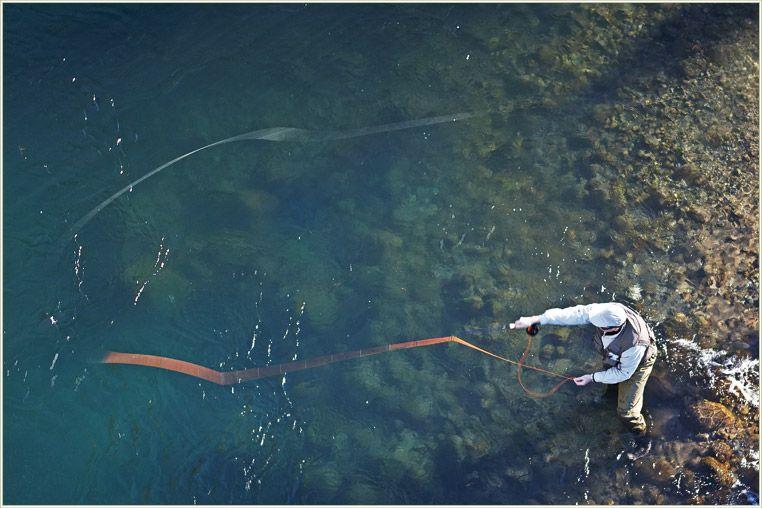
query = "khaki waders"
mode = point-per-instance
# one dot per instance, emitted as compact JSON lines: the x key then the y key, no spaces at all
{"x":630,"y":398}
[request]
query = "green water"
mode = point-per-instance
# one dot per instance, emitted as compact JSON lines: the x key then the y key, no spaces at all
{"x":255,"y":253}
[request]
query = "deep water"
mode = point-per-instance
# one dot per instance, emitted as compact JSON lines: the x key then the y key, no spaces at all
{"x":258,"y":252}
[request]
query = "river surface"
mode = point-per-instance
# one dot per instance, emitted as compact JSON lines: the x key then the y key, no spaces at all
{"x":259,"y":252}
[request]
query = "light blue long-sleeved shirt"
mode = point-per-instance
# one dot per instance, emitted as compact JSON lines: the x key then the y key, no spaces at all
{"x":579,"y":315}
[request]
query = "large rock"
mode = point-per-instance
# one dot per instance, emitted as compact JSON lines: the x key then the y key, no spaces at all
{"x":714,"y":417}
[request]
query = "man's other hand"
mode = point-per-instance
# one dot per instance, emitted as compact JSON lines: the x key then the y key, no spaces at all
{"x":583,"y":380}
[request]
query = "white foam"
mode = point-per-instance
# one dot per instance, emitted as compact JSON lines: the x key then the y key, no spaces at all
{"x":587,"y":463}
{"x":742,"y":373}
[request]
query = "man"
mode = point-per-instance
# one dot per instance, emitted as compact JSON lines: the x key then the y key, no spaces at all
{"x":626,"y":343}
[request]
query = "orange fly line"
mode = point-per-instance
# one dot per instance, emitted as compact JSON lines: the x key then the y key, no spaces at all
{"x":239,"y":376}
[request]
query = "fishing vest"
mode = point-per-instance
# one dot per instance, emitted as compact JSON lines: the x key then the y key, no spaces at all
{"x":634,"y":333}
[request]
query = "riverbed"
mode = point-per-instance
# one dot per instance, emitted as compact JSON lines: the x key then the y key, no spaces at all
{"x":610,"y":153}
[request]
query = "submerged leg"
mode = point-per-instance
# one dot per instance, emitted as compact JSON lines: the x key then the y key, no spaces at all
{"x":630,"y":398}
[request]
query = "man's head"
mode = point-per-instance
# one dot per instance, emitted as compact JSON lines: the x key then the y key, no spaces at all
{"x":608,"y":317}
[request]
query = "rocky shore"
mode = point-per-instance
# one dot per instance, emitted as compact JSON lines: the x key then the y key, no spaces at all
{"x":682,"y":146}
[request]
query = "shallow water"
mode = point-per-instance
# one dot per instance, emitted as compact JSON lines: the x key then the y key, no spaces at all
{"x":257,"y":252}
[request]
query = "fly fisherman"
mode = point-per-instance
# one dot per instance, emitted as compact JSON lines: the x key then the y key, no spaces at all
{"x":626,"y":343}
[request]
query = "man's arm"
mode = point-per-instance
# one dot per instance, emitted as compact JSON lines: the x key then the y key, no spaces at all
{"x":628,"y":363}
{"x":577,"y":315}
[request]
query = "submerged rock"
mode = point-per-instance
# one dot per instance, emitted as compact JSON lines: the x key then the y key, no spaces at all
{"x":321,"y":482}
{"x":722,"y":451}
{"x":363,"y":492}
{"x":720,"y":470}
{"x":659,"y":471}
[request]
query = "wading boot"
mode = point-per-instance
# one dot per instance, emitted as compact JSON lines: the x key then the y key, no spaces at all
{"x":640,"y":445}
